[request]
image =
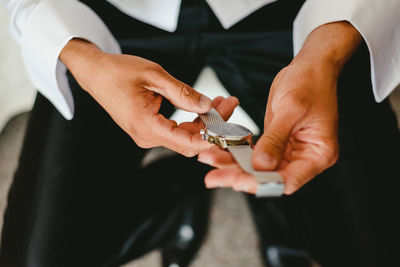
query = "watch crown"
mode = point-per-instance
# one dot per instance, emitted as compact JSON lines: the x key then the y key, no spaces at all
{"x":203,"y":134}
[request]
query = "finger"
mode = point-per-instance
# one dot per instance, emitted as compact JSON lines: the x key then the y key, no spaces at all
{"x":217,"y":100}
{"x":226,"y":107}
{"x":272,"y":144}
{"x":217,"y":157}
{"x":231,"y":177}
{"x":297,"y":173}
{"x":166,"y":133}
{"x":192,"y":127}
{"x":180,"y":94}
{"x":307,"y":161}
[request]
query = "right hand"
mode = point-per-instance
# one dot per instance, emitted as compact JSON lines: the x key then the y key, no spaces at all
{"x":131,"y":89}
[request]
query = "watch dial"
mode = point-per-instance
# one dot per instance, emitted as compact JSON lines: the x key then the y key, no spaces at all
{"x":228,"y":130}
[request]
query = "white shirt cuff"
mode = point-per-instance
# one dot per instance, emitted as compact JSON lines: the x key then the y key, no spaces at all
{"x":377,"y":21}
{"x":49,"y":27}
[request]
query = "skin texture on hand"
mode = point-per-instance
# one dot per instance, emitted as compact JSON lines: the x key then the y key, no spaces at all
{"x":300,"y":126}
{"x":131,"y":90}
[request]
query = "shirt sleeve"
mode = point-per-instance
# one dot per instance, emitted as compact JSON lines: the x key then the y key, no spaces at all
{"x":378,"y":21}
{"x":42,"y":28}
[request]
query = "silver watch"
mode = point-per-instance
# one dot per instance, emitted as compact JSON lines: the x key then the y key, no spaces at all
{"x":238,"y":141}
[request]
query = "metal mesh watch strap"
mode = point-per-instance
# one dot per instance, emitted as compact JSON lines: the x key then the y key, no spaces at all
{"x":270,"y":183}
{"x":211,"y":117}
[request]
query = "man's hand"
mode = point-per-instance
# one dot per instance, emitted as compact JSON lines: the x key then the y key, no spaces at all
{"x":131,"y":89}
{"x":300,"y":127}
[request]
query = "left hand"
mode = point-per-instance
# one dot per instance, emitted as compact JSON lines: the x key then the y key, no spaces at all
{"x":301,"y":120}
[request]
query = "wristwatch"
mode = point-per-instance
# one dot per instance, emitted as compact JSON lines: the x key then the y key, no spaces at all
{"x":237,"y":140}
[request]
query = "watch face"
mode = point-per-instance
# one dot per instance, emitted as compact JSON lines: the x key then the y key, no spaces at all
{"x":229,"y":131}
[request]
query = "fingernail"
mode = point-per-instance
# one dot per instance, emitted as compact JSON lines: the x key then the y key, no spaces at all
{"x":205,"y":101}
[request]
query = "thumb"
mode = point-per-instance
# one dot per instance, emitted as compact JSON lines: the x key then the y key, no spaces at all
{"x":272,"y":144}
{"x":183,"y":96}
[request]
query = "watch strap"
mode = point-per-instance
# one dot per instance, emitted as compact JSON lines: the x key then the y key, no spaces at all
{"x":211,"y":117}
{"x":270,"y":184}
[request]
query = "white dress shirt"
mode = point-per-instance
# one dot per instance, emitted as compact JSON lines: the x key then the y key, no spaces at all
{"x":43,"y":27}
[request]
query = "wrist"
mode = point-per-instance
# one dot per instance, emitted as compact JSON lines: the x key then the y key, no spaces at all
{"x":329,"y":47}
{"x":317,"y":69}
{"x":78,"y":53}
{"x":81,"y":58}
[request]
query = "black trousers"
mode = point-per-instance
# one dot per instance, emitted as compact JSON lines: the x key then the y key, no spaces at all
{"x":80,"y":197}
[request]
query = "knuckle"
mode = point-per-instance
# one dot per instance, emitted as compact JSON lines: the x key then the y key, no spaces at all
{"x":139,"y":139}
{"x":185,"y":91}
{"x":142,"y":143}
{"x":297,"y":178}
{"x":187,"y":152}
{"x":295,"y":184}
{"x":298,"y":104}
{"x":290,"y":190}
{"x":273,"y":139}
{"x":157,"y":121}
{"x":333,"y":157}
{"x":139,"y":143}
{"x":279,"y":77}
{"x":237,"y":185}
{"x":155,"y":67}
{"x":153,"y":72}
{"x":331,"y":154}
{"x":131,"y":129}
